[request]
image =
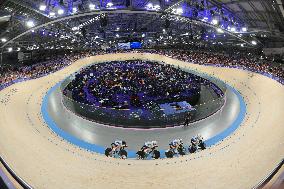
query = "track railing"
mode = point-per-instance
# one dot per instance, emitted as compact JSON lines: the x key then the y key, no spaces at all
{"x":23,"y":183}
{"x":264,"y":181}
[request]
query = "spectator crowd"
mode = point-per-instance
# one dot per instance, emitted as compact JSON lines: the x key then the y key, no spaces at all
{"x":9,"y":74}
{"x":251,"y":63}
{"x":133,"y":83}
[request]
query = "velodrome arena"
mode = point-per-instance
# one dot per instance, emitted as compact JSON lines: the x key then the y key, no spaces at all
{"x":141,"y":94}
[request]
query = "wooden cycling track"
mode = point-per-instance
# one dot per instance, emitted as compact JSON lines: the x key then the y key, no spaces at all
{"x":45,"y":160}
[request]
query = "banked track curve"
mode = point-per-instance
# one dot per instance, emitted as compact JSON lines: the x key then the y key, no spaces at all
{"x":45,"y":160}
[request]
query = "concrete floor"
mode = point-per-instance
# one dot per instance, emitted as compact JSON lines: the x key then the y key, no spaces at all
{"x":44,"y":160}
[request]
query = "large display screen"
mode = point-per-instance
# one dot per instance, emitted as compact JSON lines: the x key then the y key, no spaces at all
{"x":123,"y":46}
{"x":135,"y":45}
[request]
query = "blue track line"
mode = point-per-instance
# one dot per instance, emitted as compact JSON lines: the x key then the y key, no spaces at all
{"x":132,"y":154}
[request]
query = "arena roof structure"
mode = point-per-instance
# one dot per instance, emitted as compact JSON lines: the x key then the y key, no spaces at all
{"x":39,"y":24}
